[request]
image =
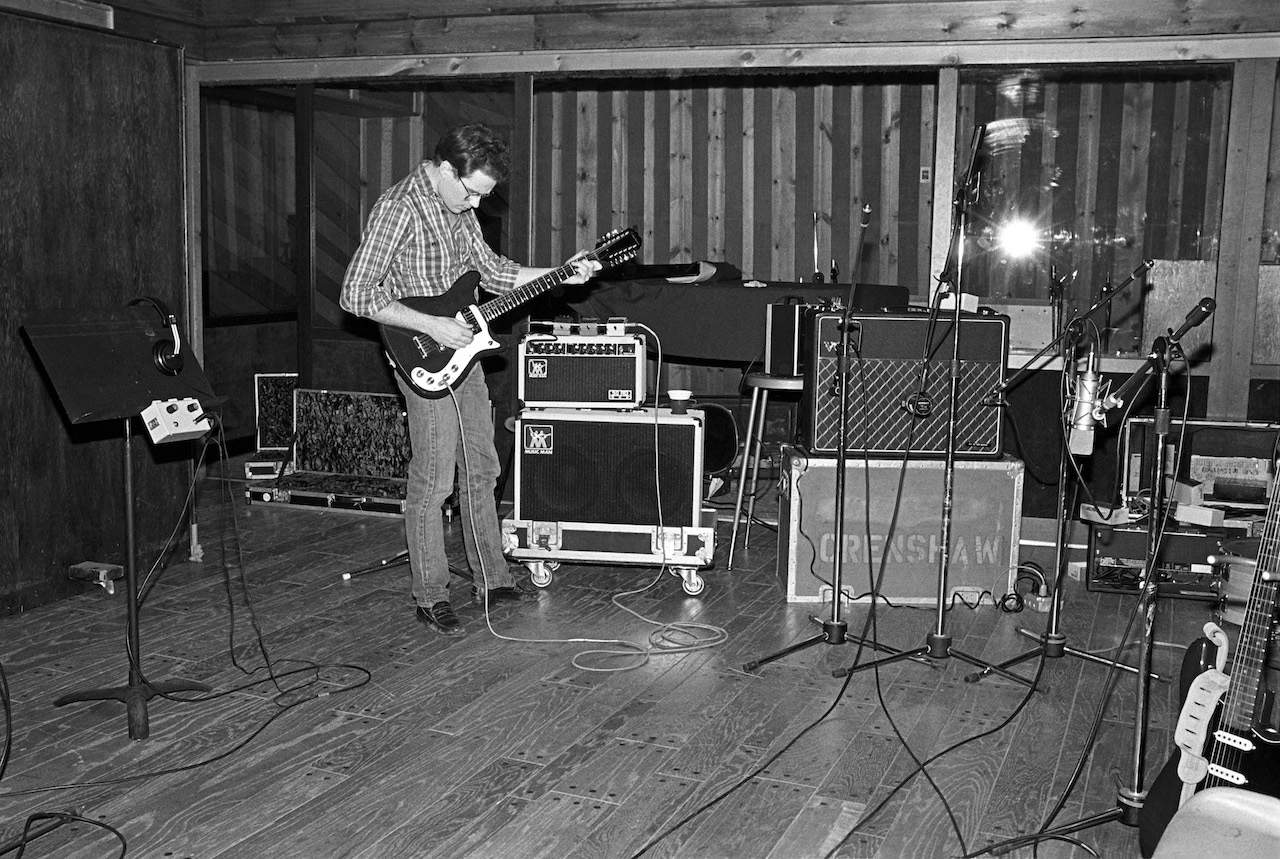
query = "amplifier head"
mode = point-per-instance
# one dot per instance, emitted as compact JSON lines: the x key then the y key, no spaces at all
{"x":579,"y":371}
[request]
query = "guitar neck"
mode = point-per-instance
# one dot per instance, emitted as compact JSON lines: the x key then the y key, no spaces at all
{"x":1239,"y":706}
{"x":511,"y":300}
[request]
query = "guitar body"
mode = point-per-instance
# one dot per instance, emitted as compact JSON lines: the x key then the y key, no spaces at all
{"x":1260,"y":768}
{"x":430,"y":368}
{"x":1223,"y":737}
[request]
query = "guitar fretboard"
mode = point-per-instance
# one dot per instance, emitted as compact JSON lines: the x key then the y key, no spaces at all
{"x":1240,"y":702}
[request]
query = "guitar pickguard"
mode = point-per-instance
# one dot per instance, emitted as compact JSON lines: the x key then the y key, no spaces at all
{"x":457,"y":363}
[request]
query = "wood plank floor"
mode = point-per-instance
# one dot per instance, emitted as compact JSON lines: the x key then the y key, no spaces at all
{"x":372,"y":737}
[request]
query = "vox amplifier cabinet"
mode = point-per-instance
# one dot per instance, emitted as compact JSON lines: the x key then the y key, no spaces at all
{"x":985,"y":535}
{"x":576,"y":371}
{"x":897,"y":391}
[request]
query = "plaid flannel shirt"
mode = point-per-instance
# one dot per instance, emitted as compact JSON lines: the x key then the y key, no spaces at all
{"x":412,"y":246}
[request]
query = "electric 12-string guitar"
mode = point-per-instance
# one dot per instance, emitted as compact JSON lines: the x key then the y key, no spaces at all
{"x":432,"y":369}
{"x":1222,"y":735}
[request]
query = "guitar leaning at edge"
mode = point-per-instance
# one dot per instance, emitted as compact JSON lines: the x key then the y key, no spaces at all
{"x":1221,"y":738}
{"x":432,"y":369}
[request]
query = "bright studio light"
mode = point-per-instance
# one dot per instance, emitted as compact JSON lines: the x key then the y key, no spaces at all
{"x":1018,"y":239}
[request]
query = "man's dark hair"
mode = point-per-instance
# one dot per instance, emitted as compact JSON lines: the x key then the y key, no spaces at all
{"x":473,"y":147}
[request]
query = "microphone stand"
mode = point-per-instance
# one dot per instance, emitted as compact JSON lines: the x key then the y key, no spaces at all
{"x":1132,"y":796}
{"x":835,"y":629}
{"x":1053,"y":643}
{"x":938,"y":642}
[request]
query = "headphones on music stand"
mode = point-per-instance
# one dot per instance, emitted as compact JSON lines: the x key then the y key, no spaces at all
{"x":167,"y":354}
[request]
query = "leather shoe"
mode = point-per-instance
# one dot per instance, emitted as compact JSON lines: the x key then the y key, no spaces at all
{"x":502,"y":596}
{"x":441,"y":618}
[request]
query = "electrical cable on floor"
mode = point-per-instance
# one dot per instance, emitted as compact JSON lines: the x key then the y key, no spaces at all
{"x":281,"y":700}
{"x":921,"y":766}
{"x":876,"y":580}
{"x":1108,"y":686}
{"x":671,"y":638}
{"x":7,"y":703}
{"x":61,"y":818}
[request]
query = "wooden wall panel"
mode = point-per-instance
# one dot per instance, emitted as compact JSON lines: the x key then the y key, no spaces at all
{"x":742,"y":172}
{"x":338,"y":220}
{"x":240,"y":29}
{"x":248,"y":208}
{"x":94,"y":217}
{"x":1271,"y":207}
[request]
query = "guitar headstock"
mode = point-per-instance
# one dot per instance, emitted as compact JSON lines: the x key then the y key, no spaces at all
{"x":617,"y":246}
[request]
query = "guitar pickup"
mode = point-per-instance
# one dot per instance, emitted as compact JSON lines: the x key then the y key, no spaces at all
{"x":1236,"y":741}
{"x":1230,"y":776}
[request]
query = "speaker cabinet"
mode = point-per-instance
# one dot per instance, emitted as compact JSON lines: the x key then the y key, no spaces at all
{"x":898,"y":392}
{"x":782,"y":321}
{"x":609,"y":468}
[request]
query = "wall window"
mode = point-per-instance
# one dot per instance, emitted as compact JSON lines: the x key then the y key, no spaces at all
{"x":1086,"y":173}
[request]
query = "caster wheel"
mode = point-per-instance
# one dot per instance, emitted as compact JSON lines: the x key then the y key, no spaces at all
{"x":541,"y":573}
{"x":693,"y":583}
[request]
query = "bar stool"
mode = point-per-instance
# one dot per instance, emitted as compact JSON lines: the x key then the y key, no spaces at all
{"x":760,"y":384}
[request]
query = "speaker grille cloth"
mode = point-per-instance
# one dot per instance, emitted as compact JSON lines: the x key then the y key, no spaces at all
{"x":580,"y":379}
{"x":603,"y":472}
{"x":880,"y":423}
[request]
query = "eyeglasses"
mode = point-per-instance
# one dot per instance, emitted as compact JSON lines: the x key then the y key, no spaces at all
{"x":471,"y":194}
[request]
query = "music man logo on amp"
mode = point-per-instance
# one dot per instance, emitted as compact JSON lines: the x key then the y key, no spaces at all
{"x":536,"y":368}
{"x":539,"y":438}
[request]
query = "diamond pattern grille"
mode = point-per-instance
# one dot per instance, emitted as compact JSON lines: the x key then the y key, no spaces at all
{"x":879,"y":423}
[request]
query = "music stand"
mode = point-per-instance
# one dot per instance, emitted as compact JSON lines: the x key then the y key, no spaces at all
{"x":107,"y":369}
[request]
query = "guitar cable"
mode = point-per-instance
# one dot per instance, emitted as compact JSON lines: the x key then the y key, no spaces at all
{"x":470,"y":519}
{"x":667,"y":639}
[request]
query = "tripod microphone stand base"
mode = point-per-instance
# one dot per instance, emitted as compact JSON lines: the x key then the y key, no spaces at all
{"x":939,"y":647}
{"x":1056,"y":645}
{"x":1123,"y":813}
{"x":1053,"y":646}
{"x":835,"y":632}
{"x":135,"y":697}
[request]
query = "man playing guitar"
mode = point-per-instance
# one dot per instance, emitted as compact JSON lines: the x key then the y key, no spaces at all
{"x":422,"y":237}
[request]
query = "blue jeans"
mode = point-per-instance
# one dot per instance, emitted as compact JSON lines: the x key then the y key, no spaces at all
{"x":437,"y":450}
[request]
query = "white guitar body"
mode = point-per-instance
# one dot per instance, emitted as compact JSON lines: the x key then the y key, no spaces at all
{"x":1197,"y":711}
{"x":461,"y":360}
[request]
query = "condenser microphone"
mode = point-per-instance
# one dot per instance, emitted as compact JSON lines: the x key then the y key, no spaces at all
{"x":1083,"y":419}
